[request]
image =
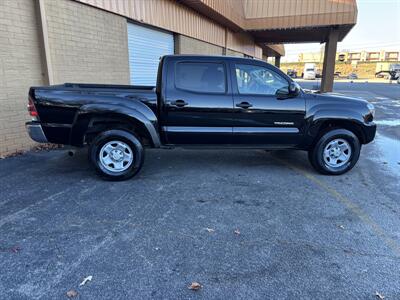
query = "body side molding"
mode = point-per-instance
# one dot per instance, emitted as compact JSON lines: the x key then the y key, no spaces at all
{"x":184,"y":129}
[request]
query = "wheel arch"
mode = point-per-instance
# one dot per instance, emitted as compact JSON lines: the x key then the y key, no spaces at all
{"x":327,"y":119}
{"x":92,"y":119}
{"x":324,"y":125}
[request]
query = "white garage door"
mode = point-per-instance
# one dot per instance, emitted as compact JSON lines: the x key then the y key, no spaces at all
{"x":146,"y":46}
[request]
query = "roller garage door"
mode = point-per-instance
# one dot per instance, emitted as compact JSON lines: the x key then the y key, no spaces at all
{"x":146,"y":46}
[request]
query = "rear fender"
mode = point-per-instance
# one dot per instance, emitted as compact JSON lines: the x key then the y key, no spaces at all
{"x":140,"y":113}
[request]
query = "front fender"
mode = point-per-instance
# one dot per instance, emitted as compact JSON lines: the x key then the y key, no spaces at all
{"x":336,"y":114}
{"x":315,"y":119}
{"x":139,"y":112}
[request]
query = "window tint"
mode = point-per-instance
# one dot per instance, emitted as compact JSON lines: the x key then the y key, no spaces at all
{"x":258,"y":80}
{"x":200,"y":77}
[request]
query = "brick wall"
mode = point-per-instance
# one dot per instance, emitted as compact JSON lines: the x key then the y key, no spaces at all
{"x":86,"y":44}
{"x":188,"y":45}
{"x":20,"y":68}
{"x":230,"y":52}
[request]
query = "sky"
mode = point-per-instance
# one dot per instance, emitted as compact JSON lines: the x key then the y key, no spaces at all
{"x":377,"y":28}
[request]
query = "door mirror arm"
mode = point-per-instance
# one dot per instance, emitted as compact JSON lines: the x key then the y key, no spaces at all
{"x":294,"y":89}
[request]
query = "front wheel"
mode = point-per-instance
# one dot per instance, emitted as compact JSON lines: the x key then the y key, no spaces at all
{"x":336,"y":152}
{"x":116,"y":154}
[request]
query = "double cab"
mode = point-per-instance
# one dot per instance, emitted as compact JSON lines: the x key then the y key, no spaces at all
{"x":202,"y":102}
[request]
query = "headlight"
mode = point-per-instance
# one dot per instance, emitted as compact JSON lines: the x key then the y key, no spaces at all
{"x":371,"y":108}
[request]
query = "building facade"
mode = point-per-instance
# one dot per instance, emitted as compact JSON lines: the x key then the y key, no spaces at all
{"x":370,"y":56}
{"x":352,"y":56}
{"x":120,"y":41}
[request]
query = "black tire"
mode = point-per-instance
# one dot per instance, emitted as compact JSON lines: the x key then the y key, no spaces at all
{"x":316,"y":154}
{"x":135,"y":148}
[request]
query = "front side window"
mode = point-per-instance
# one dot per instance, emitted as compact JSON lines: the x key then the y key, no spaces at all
{"x":200,"y":77}
{"x":258,"y":80}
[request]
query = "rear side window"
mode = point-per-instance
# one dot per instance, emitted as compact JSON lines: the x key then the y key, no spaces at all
{"x":200,"y":77}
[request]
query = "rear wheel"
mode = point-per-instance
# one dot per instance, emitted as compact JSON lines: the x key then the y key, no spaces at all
{"x":336,"y":152}
{"x":116,"y":154}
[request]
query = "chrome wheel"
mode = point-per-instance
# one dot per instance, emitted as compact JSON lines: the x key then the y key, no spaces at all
{"x":337,"y":153}
{"x":116,"y":156}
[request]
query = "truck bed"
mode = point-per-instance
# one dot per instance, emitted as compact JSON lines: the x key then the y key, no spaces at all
{"x":58,"y":105}
{"x":95,"y":86}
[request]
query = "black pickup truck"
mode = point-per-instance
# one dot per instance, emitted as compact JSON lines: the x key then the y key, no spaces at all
{"x":201,"y":101}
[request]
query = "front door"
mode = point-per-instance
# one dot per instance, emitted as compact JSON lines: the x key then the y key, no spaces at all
{"x":260,"y":118}
{"x":198,"y":105}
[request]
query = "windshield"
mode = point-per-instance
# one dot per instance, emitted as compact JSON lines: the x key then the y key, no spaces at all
{"x":309,"y":70}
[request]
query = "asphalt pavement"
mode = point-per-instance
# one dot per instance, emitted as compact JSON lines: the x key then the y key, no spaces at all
{"x":245,"y":224}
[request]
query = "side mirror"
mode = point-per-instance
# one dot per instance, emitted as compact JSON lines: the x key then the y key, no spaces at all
{"x":290,"y":91}
{"x":283,"y":93}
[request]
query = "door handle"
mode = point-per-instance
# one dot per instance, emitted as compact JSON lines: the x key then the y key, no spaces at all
{"x":179,"y":103}
{"x":244,"y":104}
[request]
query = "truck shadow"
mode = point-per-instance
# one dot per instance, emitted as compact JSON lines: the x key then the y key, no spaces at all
{"x":158,"y":163}
{"x":182,"y":160}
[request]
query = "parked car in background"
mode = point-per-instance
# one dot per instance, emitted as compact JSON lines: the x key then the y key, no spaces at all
{"x":337,"y":75}
{"x":202,"y":102}
{"x":318,"y":73}
{"x":352,"y":76}
{"x":382,"y":74}
{"x":292,"y":73}
{"x":309,"y":71}
{"x":388,"y":71}
{"x":394,"y":71}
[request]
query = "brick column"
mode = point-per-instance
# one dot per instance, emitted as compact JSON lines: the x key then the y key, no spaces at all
{"x":328,"y":69}
{"x":278,"y":61}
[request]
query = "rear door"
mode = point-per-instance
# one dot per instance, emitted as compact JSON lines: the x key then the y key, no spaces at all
{"x":198,"y":102}
{"x":260,"y":118}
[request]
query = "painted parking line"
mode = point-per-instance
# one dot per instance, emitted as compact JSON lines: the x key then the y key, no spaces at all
{"x":22,"y":213}
{"x":350,"y":205}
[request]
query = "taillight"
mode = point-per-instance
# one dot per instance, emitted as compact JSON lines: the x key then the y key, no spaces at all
{"x":32,"y":110}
